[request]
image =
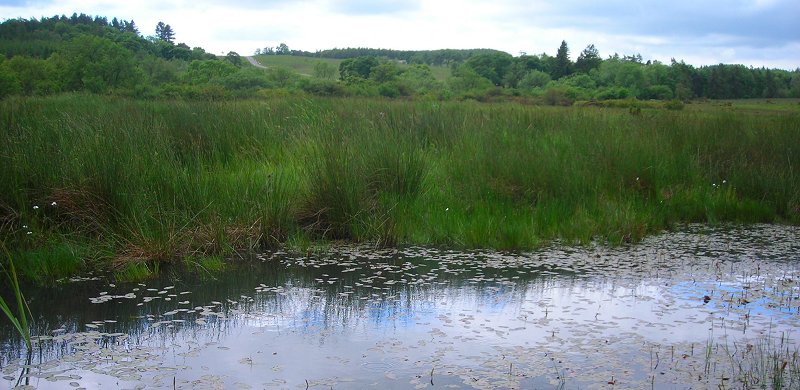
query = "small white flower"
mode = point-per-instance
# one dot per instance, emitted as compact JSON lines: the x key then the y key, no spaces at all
{"x":36,"y":207}
{"x":447,"y":209}
{"x":724,"y":181}
{"x":53,"y":204}
{"x":29,"y":233}
{"x":24,"y":226}
{"x":637,"y":178}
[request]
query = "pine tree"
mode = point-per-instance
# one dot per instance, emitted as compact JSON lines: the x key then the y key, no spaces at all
{"x":563,"y":66}
{"x":588,"y":59}
{"x":130,"y":27}
{"x":164,"y":32}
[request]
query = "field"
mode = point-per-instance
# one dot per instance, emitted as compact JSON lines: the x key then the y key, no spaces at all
{"x":305,"y":65}
{"x":92,"y":182}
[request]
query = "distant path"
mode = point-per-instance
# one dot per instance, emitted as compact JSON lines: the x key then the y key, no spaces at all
{"x":255,"y":63}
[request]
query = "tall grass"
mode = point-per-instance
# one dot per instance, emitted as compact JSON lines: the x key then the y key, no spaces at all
{"x":121,"y":181}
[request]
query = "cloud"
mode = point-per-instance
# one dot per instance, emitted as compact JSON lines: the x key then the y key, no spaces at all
{"x":751,"y":23}
{"x":20,"y":3}
{"x":373,"y":7}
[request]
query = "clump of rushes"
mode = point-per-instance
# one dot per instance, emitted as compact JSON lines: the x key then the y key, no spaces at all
{"x":146,"y":182}
{"x":20,"y":318}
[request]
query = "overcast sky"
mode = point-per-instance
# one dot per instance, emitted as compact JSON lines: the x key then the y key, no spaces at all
{"x":701,"y":32}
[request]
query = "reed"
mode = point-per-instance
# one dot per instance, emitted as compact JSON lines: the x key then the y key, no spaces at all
{"x":18,"y":319}
{"x":120,"y":181}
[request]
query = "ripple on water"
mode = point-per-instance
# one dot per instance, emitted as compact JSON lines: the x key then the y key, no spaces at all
{"x":693,"y":308}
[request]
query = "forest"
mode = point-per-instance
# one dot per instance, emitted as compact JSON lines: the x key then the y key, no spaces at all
{"x":83,"y":53}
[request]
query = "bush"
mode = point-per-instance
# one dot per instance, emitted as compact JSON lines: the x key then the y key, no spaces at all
{"x":322,"y":87}
{"x":557,"y":97}
{"x":614,"y":93}
{"x":674,"y":104}
{"x":658,"y":92}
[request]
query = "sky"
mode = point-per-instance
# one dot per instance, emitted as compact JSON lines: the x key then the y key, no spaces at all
{"x":700,"y":32}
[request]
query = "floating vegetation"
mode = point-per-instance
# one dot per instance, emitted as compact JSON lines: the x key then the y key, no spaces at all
{"x":356,"y":317}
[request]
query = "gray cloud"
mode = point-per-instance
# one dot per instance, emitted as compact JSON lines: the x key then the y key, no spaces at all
{"x":748,"y":23}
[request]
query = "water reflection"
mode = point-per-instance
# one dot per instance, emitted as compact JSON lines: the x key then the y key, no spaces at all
{"x":357,"y":317}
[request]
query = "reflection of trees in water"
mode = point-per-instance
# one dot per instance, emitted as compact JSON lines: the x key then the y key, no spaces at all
{"x":385,"y":291}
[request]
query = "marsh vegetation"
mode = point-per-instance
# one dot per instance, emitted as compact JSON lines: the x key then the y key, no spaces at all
{"x":91,"y":182}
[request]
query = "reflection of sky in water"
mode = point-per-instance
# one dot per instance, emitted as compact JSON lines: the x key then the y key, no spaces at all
{"x":357,"y":319}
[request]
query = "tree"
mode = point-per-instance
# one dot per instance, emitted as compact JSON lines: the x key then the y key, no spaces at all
{"x":588,"y":59}
{"x":9,"y":84}
{"x":181,"y":51}
{"x":164,"y":32}
{"x":282,"y":49}
{"x":492,"y":66}
{"x":466,"y":79}
{"x":234,"y":58}
{"x":562,"y":66}
{"x":130,"y":27}
{"x":97,"y":65}
{"x":420,"y":79}
{"x":206,"y":71}
{"x":770,"y":85}
{"x":385,"y":72}
{"x":360,"y":67}
{"x":794,"y":84}
{"x":534,"y":79}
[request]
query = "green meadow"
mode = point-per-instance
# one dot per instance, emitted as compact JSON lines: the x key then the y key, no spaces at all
{"x":89,"y":182}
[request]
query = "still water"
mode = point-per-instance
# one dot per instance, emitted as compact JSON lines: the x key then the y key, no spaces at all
{"x":700,"y":308}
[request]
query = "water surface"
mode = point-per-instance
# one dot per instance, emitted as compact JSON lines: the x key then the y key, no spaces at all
{"x":691,"y":309}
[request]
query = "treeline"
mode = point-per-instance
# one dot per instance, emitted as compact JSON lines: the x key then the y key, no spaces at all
{"x":93,"y":54}
{"x":559,"y":81}
{"x":86,"y":53}
{"x":426,"y":57}
{"x":478,"y":72}
{"x":591,"y":77}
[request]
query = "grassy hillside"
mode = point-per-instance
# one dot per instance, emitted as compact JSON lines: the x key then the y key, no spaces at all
{"x":102,"y":182}
{"x":301,"y":65}
{"x":305,"y":65}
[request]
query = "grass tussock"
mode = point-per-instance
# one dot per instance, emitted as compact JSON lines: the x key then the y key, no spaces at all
{"x":100,"y":181}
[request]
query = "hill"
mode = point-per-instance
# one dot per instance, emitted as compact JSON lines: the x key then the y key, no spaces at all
{"x":83,"y":53}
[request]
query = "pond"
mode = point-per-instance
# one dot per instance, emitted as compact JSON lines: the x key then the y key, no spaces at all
{"x":699,"y":308}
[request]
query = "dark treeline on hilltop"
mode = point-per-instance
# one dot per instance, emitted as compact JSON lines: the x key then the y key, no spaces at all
{"x":93,"y":54}
{"x":427,"y":57}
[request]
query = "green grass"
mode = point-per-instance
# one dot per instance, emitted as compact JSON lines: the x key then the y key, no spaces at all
{"x":90,"y":181}
{"x":298,"y":64}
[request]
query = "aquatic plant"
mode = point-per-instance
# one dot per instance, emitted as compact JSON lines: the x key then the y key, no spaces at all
{"x":769,"y":362}
{"x":20,"y":318}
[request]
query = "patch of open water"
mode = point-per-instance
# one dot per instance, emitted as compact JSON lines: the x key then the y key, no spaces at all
{"x":691,"y":309}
